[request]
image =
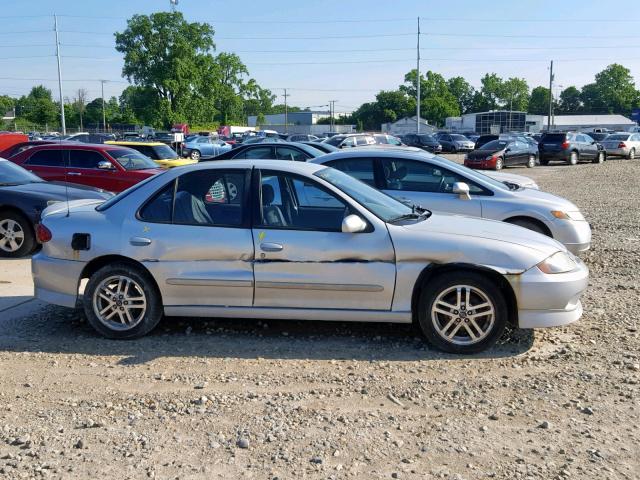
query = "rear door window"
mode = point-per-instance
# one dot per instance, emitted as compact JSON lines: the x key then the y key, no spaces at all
{"x":253,"y":153}
{"x":47,"y":158}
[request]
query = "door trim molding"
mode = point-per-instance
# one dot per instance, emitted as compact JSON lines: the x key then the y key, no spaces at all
{"x":341,"y":287}
{"x":208,"y":282}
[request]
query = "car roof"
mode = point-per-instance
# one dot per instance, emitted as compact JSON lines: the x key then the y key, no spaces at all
{"x":123,"y":143}
{"x":75,"y":146}
{"x":284,"y":165}
{"x":387,"y":151}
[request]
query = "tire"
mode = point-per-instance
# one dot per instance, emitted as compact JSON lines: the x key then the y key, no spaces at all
{"x":17,"y":237}
{"x":632,"y":154}
{"x":195,"y":155}
{"x":111,"y":280}
{"x":599,"y":158}
{"x":544,"y":162}
{"x":499,"y":163}
{"x":574,"y":158}
{"x":529,"y":225}
{"x":531,"y":162}
{"x":434,"y":317}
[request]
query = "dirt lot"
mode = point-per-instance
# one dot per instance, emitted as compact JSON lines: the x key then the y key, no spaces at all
{"x":249,"y":399}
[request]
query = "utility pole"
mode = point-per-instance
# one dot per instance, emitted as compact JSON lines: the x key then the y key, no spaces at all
{"x":332,"y":111}
{"x":550,"y":97}
{"x":104,"y":116}
{"x":510,"y":112}
{"x":286,"y":112}
{"x":62,"y":120}
{"x":418,"y":82}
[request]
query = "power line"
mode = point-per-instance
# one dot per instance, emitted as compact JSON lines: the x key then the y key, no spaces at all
{"x":492,"y":35}
{"x":319,"y":37}
{"x":25,"y":31}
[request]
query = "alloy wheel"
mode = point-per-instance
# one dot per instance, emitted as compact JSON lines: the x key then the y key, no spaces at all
{"x":463,"y":315}
{"x":119,"y":302}
{"x":499,"y":164}
{"x":532,"y":161}
{"x":11,"y":235}
{"x":195,"y":155}
{"x":632,"y":154}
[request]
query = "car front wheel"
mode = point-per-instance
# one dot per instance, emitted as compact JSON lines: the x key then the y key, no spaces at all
{"x":122,"y":301}
{"x":16,"y":235}
{"x":632,"y":154}
{"x":499,"y":163}
{"x":194,"y":155}
{"x":531,"y":162}
{"x":462,"y":312}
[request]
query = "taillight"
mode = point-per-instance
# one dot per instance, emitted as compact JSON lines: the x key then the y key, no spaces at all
{"x":565,"y":145}
{"x":622,"y":145}
{"x":43,"y":234}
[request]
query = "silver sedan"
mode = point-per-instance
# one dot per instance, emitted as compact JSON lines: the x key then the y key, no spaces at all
{"x":625,"y":145}
{"x":289,"y":240}
{"x":420,"y":178}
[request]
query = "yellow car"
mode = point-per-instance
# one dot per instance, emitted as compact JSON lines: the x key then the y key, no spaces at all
{"x":159,"y":152}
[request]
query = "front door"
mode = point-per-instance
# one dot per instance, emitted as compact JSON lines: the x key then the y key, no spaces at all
{"x":429,"y":186}
{"x":304,"y":260}
{"x":83,"y":168}
{"x":194,"y":236}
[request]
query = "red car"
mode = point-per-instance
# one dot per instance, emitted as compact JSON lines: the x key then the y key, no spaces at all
{"x":109,"y":167}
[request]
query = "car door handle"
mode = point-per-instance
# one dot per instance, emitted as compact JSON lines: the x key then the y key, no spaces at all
{"x":140,"y":241}
{"x":271,"y":247}
{"x":74,"y":174}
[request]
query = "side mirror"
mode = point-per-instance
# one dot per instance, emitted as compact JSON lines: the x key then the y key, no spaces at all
{"x":104,"y":165}
{"x":353,"y":224}
{"x":462,"y":189}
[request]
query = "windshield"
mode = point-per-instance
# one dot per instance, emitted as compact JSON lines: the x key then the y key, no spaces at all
{"x":382,"y":206}
{"x":12,"y":174}
{"x":132,"y":159}
{"x":495,"y":145}
{"x":426,"y":138}
{"x":164,"y":152}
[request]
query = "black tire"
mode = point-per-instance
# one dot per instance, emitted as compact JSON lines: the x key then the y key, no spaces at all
{"x":195,"y":155}
{"x":531,"y":162}
{"x":544,"y":162}
{"x":632,"y":154}
{"x":574,"y":158}
{"x":435,"y":287}
{"x":529,"y":225}
{"x":16,"y":231}
{"x":599,"y":158}
{"x":145,"y":284}
{"x":499,"y":163}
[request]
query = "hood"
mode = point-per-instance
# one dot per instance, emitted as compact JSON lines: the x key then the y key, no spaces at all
{"x":483,"y":153}
{"x":59,"y":191}
{"x":539,"y":197}
{"x":447,"y":238}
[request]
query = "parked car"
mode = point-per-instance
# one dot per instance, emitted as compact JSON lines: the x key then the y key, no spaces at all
{"x":204,"y":147}
{"x":301,"y":137}
{"x":23,"y":196}
{"x":329,"y":248}
{"x":599,"y":136}
{"x":570,"y":148}
{"x":350,"y":140}
{"x":625,"y":145}
{"x":19,"y":147}
{"x":160,"y":153}
{"x":502,"y":153}
{"x":385,"y":139}
{"x":258,"y":139}
{"x":90,"y":137}
{"x":272,"y":150}
{"x":108,"y":167}
{"x":323,"y":147}
{"x":439,"y":184}
{"x":454,"y":143}
{"x":423,"y":141}
{"x":482,"y":139}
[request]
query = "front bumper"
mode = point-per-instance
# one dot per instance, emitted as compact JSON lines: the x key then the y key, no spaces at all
{"x":549,"y":300}
{"x":56,"y":281}
{"x":481,"y":164}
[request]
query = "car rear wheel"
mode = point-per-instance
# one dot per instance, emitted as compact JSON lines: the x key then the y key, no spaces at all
{"x":499,"y":163}
{"x":599,"y":158}
{"x":462,"y":312}
{"x":574,"y":158}
{"x":17,"y":238}
{"x":195,"y":155}
{"x":632,"y":154}
{"x":531,"y":162}
{"x":122,"y":301}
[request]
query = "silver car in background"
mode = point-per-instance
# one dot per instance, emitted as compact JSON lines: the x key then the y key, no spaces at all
{"x":292,"y":240}
{"x":421,"y":178}
{"x":625,"y":145}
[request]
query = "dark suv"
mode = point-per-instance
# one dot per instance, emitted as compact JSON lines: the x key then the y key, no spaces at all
{"x":570,"y":147}
{"x":423,"y":141}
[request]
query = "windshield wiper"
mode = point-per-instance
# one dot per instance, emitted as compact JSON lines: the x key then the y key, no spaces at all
{"x":512,"y":186}
{"x":416,"y":213}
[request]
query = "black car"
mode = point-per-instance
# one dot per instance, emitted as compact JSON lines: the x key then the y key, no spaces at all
{"x":272,"y":150}
{"x":500,"y":153}
{"x":423,"y":141}
{"x":569,"y":147}
{"x":323,"y":147}
{"x":23,"y":196}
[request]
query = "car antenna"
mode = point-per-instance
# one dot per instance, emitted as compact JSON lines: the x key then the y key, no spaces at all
{"x":66,"y":184}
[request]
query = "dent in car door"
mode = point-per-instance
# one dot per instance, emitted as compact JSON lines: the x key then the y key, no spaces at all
{"x":303,"y":260}
{"x":427,"y":185}
{"x":196,"y":242}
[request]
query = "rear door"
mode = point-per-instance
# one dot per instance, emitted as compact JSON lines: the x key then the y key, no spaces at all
{"x":48,"y":164}
{"x":304,"y":260}
{"x":428,"y":185}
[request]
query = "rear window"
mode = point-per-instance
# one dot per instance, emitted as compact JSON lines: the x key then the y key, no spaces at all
{"x":618,"y":137}
{"x":459,"y":137}
{"x":132,"y":159}
{"x":553,"y":138}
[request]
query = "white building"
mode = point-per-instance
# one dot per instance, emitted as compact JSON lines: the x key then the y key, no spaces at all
{"x":586,"y":123}
{"x":305,"y":122}
{"x":407,"y":125}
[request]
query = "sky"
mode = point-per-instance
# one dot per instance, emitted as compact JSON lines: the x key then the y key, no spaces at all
{"x":344,"y":50}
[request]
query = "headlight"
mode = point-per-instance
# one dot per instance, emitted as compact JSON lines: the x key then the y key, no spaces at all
{"x":562,"y":215}
{"x":490,"y":157}
{"x":560,"y":262}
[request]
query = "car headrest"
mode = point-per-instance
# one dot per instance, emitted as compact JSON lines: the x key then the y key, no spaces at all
{"x":267,"y":194}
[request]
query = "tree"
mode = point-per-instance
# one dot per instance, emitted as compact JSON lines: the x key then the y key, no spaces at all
{"x":389,"y":106}
{"x":436,"y":100}
{"x":570,"y":101}
{"x":38,"y":107}
{"x":612,"y":92}
{"x":6,"y":104}
{"x":80,"y":103}
{"x":539,"y":101}
{"x":491,"y":91}
{"x":463,"y":91}
{"x":514,"y":94}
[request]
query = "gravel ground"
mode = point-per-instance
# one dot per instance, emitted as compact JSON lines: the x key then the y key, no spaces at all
{"x":249,"y":399}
